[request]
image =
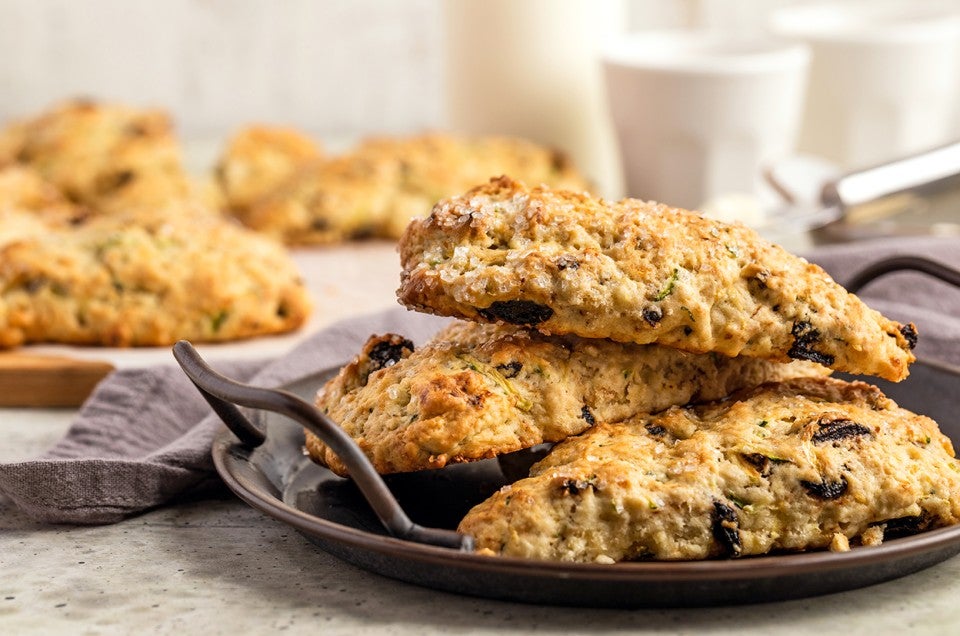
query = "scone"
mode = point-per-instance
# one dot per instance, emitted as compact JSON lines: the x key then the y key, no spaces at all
{"x":120,"y":282}
{"x":29,"y":206}
{"x":326,"y":202}
{"x":565,"y":262}
{"x":477,"y":391}
{"x":257,"y":160}
{"x":806,"y":464}
{"x":23,"y":188}
{"x":377,"y":188}
{"x":108,"y":157}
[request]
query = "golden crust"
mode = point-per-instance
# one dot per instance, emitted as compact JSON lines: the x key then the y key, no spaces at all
{"x":17,"y":224}
{"x":108,"y":157}
{"x":127,"y":281}
{"x":784,"y":467}
{"x":257,"y":160}
{"x":29,"y":206}
{"x":22,"y":188}
{"x":376,"y":189}
{"x":12,"y":137}
{"x":631,"y":271}
{"x":478,"y":391}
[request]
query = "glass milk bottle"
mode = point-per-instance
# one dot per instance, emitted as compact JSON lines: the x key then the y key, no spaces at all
{"x":531,"y":68}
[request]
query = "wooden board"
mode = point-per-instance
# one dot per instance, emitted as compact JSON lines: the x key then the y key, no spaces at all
{"x":42,"y":380}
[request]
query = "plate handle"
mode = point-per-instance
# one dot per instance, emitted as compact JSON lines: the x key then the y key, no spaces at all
{"x":899,"y":263}
{"x":224,"y":395}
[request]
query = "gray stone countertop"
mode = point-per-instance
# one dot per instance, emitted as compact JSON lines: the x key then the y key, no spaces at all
{"x":220,"y":567}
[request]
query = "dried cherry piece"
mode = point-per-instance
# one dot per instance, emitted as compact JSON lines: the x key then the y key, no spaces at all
{"x":517,"y":312}
{"x":909,"y":332}
{"x":653,"y":316}
{"x":509,"y":370}
{"x":825,"y":489}
{"x":839,"y":429}
{"x":387,"y":353}
{"x":904,"y":526}
{"x":805,"y":336}
{"x":587,"y":415}
{"x":726,"y":529}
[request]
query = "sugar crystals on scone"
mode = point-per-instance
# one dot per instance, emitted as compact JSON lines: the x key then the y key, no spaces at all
{"x":567,"y":263}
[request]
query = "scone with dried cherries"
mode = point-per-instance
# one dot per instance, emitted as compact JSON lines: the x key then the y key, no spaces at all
{"x":109,"y":157}
{"x":801,"y":465}
{"x":257,"y":160}
{"x":29,"y":206}
{"x":477,"y":391}
{"x":378,"y":187}
{"x":567,"y":263}
{"x":117,"y":281}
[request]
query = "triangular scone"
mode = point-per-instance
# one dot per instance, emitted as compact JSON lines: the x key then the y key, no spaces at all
{"x":257,"y":160}
{"x":22,"y":188}
{"x":376,"y":189}
{"x":809,"y":463}
{"x":477,"y":391}
{"x":120,"y":281}
{"x":29,"y":206}
{"x":639,"y":272}
{"x":108,"y":157}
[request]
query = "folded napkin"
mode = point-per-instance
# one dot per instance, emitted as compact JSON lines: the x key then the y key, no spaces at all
{"x":143,"y":438}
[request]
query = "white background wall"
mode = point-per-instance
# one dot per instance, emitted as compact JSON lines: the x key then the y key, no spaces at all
{"x":334,"y":67}
{"x":330,"y":66}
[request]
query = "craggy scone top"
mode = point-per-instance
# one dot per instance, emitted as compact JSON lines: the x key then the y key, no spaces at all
{"x":257,"y":160}
{"x":106,"y":156}
{"x":378,"y":187}
{"x":804,"y":464}
{"x":633,"y":271}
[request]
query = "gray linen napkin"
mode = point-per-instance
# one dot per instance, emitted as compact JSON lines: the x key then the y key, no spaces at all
{"x":143,"y":438}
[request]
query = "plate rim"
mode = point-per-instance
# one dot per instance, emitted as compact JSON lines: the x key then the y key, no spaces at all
{"x":752,"y":568}
{"x":760,"y":566}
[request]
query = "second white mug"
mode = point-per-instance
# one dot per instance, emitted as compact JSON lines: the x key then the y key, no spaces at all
{"x":698,"y":113}
{"x":883,"y":77}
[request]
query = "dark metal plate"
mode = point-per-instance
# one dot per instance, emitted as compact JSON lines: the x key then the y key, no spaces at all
{"x":278,"y":479}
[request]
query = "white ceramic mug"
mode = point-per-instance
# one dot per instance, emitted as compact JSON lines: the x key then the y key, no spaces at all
{"x":884,"y":77}
{"x":698,"y":113}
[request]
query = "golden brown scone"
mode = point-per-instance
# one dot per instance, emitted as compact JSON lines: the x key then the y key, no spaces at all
{"x":325,"y":202}
{"x":12,"y":136}
{"x":117,"y":281}
{"x":565,"y":262}
{"x":108,"y":157}
{"x":376,"y":189}
{"x":23,"y":189}
{"x":17,"y":224}
{"x":478,"y":391}
{"x":805,"y":464}
{"x":29,"y":206}
{"x":257,"y":160}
